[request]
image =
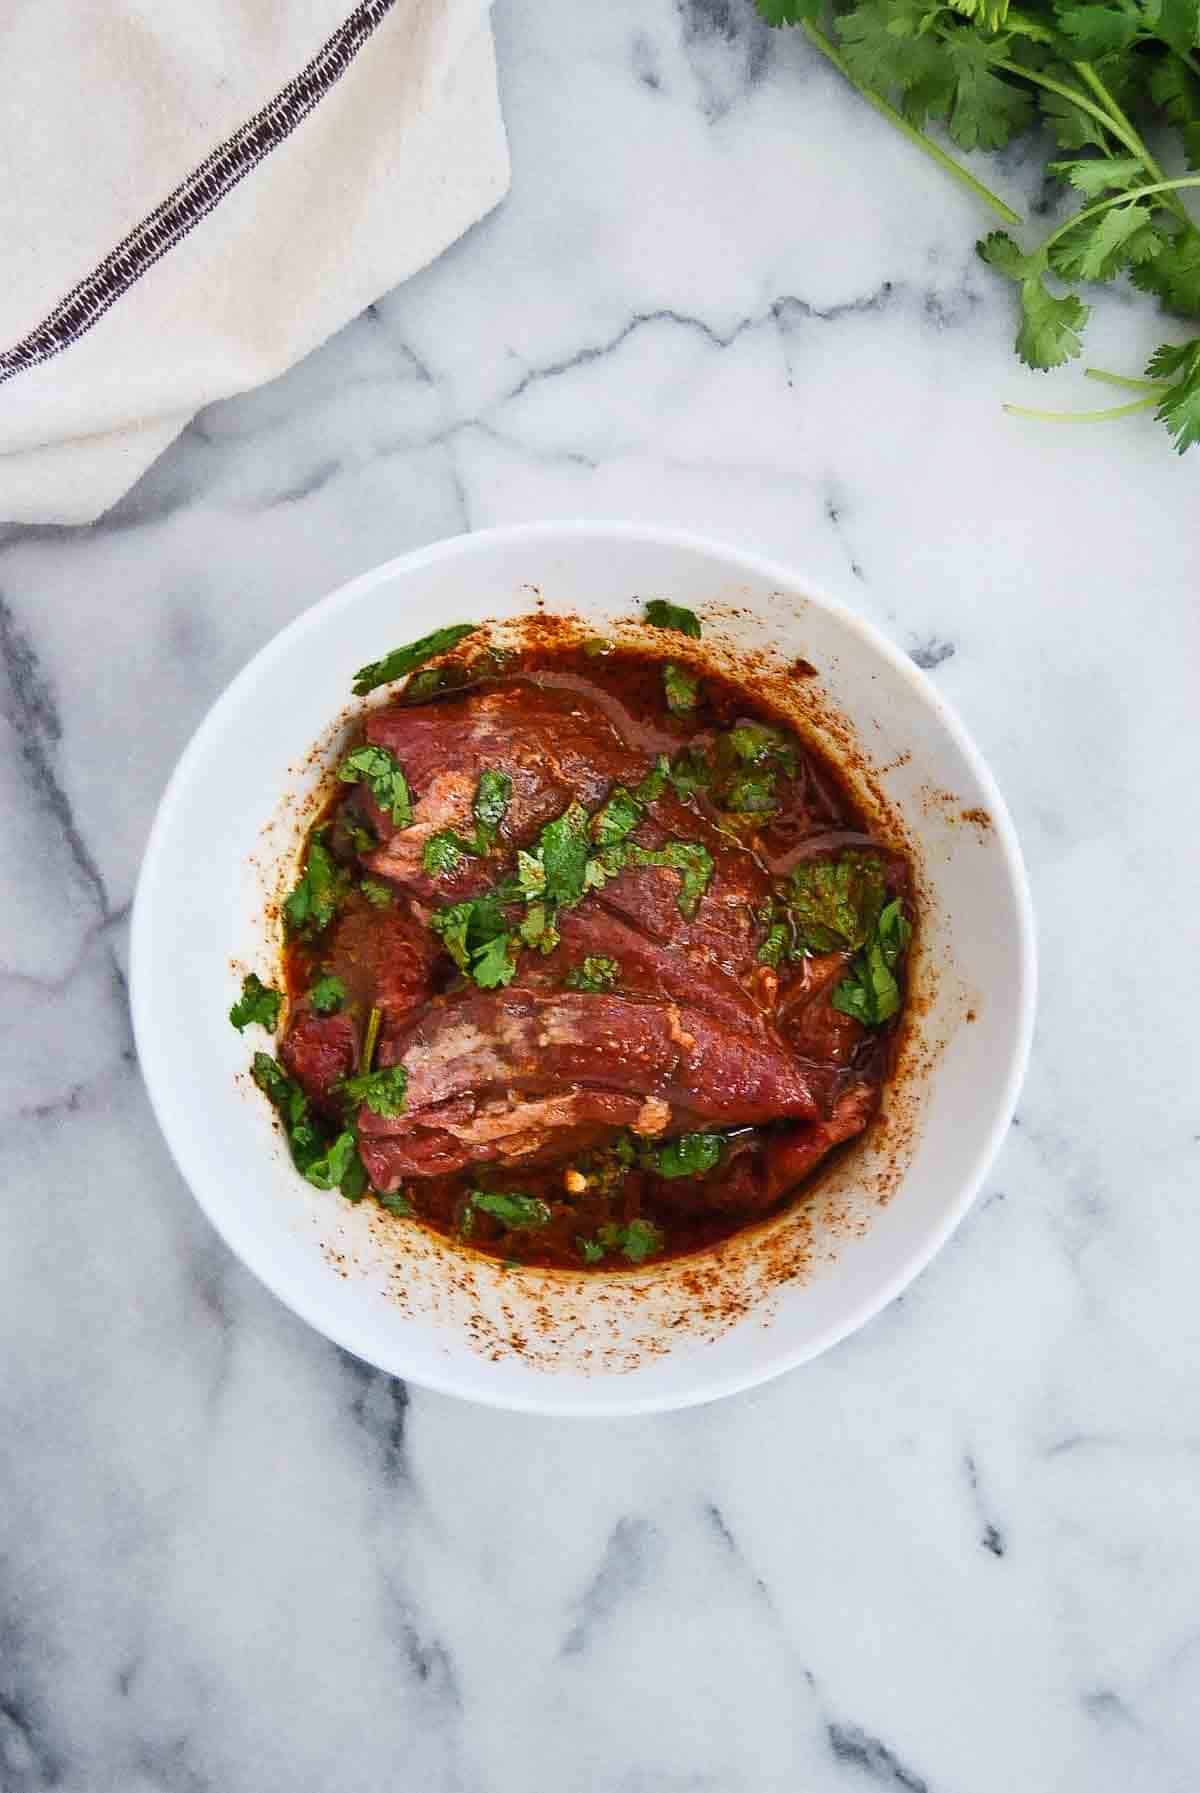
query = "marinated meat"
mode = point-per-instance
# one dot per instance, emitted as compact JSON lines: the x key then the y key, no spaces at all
{"x":680,"y":1060}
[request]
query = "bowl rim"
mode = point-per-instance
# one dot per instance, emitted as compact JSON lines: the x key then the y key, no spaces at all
{"x":604,"y":1399}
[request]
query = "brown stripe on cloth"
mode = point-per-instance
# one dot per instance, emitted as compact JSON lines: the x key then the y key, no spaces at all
{"x":203,"y":189}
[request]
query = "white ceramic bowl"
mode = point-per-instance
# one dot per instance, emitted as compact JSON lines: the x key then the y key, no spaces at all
{"x":227,"y":832}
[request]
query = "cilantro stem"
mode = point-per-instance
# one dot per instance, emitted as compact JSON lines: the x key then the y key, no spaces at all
{"x":370,"y":1037}
{"x":926,"y":144}
{"x":1126,"y":131}
{"x":1126,"y":380}
{"x":1128,"y":136}
{"x":1130,"y":198}
{"x":1139,"y":404}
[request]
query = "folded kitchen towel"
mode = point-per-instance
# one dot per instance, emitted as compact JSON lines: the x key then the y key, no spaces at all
{"x":195,"y":196}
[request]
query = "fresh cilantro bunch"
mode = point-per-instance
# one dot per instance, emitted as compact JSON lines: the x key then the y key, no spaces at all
{"x":1104,"y":78}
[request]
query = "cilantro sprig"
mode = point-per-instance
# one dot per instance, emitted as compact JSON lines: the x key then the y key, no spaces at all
{"x":383,"y":776}
{"x":324,"y":1161}
{"x":1103,"y":79}
{"x":258,"y":1004}
{"x":869,"y":991}
{"x":313,"y":900}
{"x":478,"y":938}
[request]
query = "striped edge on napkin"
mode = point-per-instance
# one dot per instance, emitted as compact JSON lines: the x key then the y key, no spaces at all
{"x":195,"y":197}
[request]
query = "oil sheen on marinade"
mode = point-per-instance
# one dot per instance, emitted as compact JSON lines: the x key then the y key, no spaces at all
{"x":669,"y":1070}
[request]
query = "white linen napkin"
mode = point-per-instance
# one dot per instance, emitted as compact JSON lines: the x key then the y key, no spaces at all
{"x":196,"y":196}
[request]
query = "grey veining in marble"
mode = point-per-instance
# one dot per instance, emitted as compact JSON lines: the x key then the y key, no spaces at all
{"x":958,"y":1554}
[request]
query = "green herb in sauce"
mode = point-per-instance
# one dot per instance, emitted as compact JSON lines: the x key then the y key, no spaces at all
{"x":593,"y":975}
{"x":403,"y":660}
{"x":258,"y":1005}
{"x":381,"y":772}
{"x":662,"y":615}
{"x":327,"y":995}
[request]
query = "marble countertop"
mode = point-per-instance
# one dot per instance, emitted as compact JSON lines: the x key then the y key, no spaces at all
{"x":956,"y":1555}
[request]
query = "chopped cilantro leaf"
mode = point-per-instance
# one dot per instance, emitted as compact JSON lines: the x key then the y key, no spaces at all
{"x":688,"y":1156}
{"x":380,"y":770}
{"x":396,"y":1202}
{"x":495,"y":963}
{"x":835,"y":903}
{"x":327,"y":995}
{"x":442,"y":854}
{"x":690,"y":771}
{"x":383,"y":1092}
{"x":362,"y":838}
{"x":514,"y":1210}
{"x":641,"y":1239}
{"x":492,"y":798}
{"x":593,"y":975}
{"x":772,"y":950}
{"x":531,"y":874}
{"x":756,"y":744}
{"x":378,"y":895}
{"x":257,"y":1004}
{"x":661,"y":615}
{"x":591,"y":1249}
{"x":618,"y":816}
{"x":687,"y":857}
{"x":406,"y":659}
{"x":477,"y":937}
{"x":273,"y":1080}
{"x":425,"y":684}
{"x":649,"y":789}
{"x":452,"y":926}
{"x":869,"y":991}
{"x":747,"y":761}
{"x":563,"y":850}
{"x":353,"y":1182}
{"x":538,"y":928}
{"x":314,"y":898}
{"x":750,"y":794}
{"x":636,"y":1240}
{"x":328,"y":1170}
{"x":323,"y":1162}
{"x":682,"y":688}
